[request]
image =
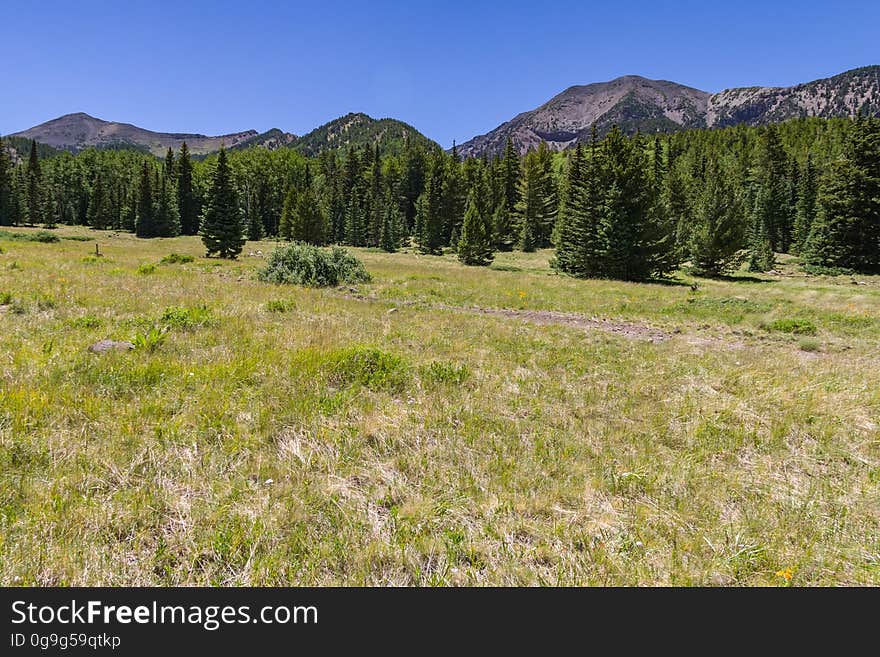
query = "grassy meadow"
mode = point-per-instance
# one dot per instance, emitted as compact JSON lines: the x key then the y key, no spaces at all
{"x":441,"y":425}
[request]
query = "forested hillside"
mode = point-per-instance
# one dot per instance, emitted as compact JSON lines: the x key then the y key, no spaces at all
{"x":617,"y":207}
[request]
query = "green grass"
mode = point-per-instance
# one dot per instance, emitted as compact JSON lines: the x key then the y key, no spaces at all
{"x":796,"y":326}
{"x":397,"y":436}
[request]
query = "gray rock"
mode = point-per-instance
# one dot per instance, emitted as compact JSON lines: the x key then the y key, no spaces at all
{"x":110,"y":345}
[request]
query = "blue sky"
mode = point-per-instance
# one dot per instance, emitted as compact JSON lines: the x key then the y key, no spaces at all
{"x":452,"y":69}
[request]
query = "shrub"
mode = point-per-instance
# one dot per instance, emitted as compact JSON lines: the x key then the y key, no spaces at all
{"x":186,"y":318}
{"x":795,"y":326}
{"x":5,"y":298}
{"x":176,"y":259}
{"x":147,"y":268}
{"x":86,"y":321}
{"x":369,"y":367}
{"x":808,"y":344}
{"x":149,"y":341}
{"x":303,"y":264}
{"x":821,"y":270}
{"x":43,"y":236}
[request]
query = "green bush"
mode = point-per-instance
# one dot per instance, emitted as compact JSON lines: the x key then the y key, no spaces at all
{"x":821,"y":270}
{"x":808,"y":344}
{"x":795,"y":326}
{"x":86,"y":321}
{"x":369,"y":367}
{"x":43,"y":236}
{"x":149,"y":341}
{"x":186,"y":318}
{"x":147,"y":268}
{"x":176,"y":259}
{"x":303,"y":264}
{"x":5,"y":298}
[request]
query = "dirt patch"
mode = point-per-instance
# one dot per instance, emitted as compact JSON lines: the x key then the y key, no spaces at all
{"x":631,"y":330}
{"x":626,"y":329}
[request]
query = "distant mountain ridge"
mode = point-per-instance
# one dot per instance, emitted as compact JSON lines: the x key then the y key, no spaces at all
{"x":632,"y":102}
{"x":76,"y":132}
{"x":79,"y":131}
{"x":636,"y":103}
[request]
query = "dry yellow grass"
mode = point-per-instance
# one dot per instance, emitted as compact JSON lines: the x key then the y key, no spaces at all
{"x":391,"y":435}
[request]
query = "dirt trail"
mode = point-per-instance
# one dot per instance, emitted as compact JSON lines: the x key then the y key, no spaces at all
{"x":626,"y":329}
{"x":632,"y":330}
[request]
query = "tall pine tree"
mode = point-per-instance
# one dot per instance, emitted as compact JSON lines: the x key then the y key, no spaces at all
{"x":187,"y":202}
{"x":846,"y":233}
{"x":221,"y":220}
{"x":35,"y":205}
{"x":716,"y":241}
{"x":6,"y":204}
{"x":145,"y":225}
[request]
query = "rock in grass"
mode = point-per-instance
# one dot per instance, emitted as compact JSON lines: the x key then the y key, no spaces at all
{"x":104,"y":346}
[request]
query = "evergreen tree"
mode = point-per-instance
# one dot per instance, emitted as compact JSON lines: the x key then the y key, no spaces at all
{"x":389,"y":239}
{"x":846,"y":233}
{"x":476,"y":243}
{"x":168,"y":166}
{"x":146,"y":223}
{"x":356,"y":211}
{"x":506,"y":234}
{"x":717,"y":237}
{"x":412,"y":183}
{"x":806,"y":206}
{"x":187,"y":203}
{"x":578,"y":239}
{"x":221,"y":220}
{"x":288,"y":214}
{"x":529,"y":210}
{"x":165,"y":219}
{"x":634,"y":245}
{"x":376,"y":199}
{"x":129,"y":212}
{"x":429,"y":211}
{"x":100,"y":212}
{"x":454,"y":197}
{"x":773,"y":208}
{"x":35,"y":207}
{"x":548,"y":196}
{"x":308,"y":223}
{"x":254,"y":218}
{"x":6,"y":203}
{"x":677,"y":208}
{"x":761,"y":256}
{"x":568,"y":236}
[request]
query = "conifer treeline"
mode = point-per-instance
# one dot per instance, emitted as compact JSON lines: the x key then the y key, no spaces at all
{"x":629,"y":208}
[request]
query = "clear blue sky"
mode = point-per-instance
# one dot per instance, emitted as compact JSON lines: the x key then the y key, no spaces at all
{"x":452,"y":69}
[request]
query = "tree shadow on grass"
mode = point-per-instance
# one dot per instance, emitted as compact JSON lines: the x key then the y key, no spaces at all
{"x":740,"y":279}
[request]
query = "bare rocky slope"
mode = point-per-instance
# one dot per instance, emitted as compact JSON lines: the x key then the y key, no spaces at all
{"x":637,"y":103}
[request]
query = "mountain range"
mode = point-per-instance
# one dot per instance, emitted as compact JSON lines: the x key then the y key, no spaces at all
{"x":76,"y":132}
{"x":632,"y":102}
{"x":637,"y":103}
